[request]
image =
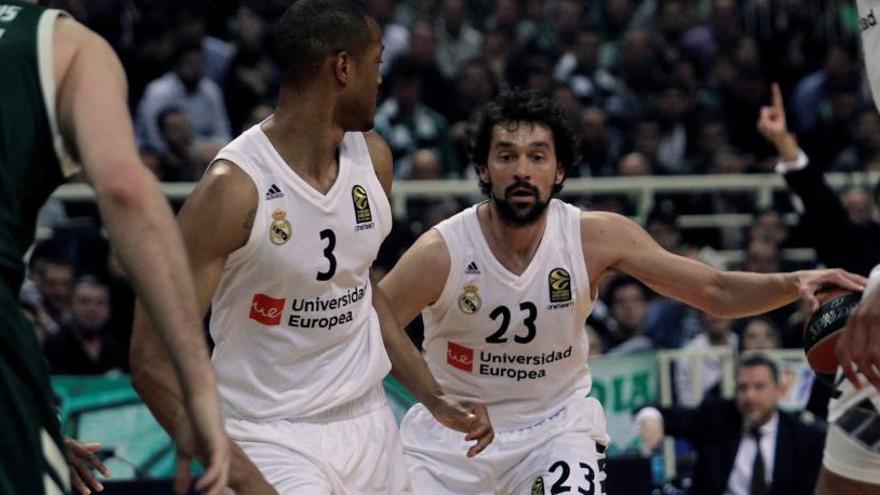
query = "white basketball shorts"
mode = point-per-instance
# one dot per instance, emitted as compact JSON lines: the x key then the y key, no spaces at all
{"x":852,"y":447}
{"x":563,"y":453}
{"x":352,"y":450}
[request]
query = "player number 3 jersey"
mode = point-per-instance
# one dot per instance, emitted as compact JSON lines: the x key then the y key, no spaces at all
{"x":292,"y":319}
{"x":513,"y":342}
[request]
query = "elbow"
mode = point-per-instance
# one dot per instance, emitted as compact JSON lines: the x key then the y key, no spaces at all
{"x":126,"y":191}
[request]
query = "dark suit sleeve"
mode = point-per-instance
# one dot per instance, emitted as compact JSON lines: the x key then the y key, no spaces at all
{"x":838,"y":242}
{"x":687,"y":423}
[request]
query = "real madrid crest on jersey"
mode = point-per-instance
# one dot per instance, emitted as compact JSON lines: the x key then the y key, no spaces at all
{"x":560,"y":285}
{"x":361,"y":204}
{"x":280,"y":230}
{"x":469,"y":301}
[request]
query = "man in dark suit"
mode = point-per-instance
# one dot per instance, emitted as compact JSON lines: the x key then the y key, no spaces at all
{"x":727,"y":432}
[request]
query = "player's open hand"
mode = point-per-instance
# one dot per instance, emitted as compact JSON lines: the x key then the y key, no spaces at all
{"x":472,"y":419}
{"x":812,"y":281}
{"x":82,"y":460}
{"x":858,"y":347}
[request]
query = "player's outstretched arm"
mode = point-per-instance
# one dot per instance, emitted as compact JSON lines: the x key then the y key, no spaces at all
{"x":94,"y":119}
{"x":615,"y":242}
{"x":223,"y":203}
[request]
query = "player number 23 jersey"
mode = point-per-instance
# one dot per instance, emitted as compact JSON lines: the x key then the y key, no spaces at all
{"x":514,"y":342}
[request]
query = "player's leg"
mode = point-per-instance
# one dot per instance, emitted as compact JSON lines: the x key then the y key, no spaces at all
{"x":564,"y":455}
{"x":436,"y":458}
{"x":31,"y":449}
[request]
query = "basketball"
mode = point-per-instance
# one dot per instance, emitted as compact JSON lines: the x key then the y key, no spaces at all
{"x":824,"y":327}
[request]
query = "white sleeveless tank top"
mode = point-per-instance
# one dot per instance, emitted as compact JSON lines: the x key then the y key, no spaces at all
{"x":513,"y":342}
{"x":294,"y":328}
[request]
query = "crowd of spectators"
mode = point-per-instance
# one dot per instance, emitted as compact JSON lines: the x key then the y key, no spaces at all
{"x":654,"y":87}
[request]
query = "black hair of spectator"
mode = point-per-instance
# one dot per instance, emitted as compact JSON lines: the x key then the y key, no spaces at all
{"x":756,"y":360}
{"x":310,"y":31}
{"x":405,"y":69}
{"x":169,"y":110}
{"x":184,"y":49}
{"x":92,"y":280}
{"x":516,"y":107}
{"x":623,"y":280}
{"x":664,"y":213}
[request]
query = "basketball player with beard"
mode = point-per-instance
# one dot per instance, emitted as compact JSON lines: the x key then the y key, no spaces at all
{"x":504,"y":288}
{"x":282,"y":232}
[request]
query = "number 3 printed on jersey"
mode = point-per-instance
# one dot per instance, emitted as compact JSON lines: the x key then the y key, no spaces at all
{"x":330,"y":237}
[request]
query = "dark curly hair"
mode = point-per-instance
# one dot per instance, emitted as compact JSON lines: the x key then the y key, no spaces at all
{"x":514,"y":107}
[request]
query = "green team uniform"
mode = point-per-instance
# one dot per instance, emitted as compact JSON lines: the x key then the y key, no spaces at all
{"x":32,"y":164}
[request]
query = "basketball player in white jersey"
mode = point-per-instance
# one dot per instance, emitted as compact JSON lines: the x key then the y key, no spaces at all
{"x":282,"y":232}
{"x":504,"y":289}
{"x":851,"y":462}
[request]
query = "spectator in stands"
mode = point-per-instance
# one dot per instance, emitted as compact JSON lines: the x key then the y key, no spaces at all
{"x":759,"y":334}
{"x":178,"y":162}
{"x":188,"y":87}
{"x":54,"y":283}
{"x":672,"y":106}
{"x":457,"y":40}
{"x":579,"y":68}
{"x":811,"y":92}
{"x":628,"y":306}
{"x":762,"y":256}
{"x":842,"y":237}
{"x":718,"y":35}
{"x":748,"y":445}
{"x":716,"y":332}
{"x":600,"y":144}
{"x":84,"y":346}
{"x":438,"y":92}
{"x":407,"y":123}
{"x":395,"y":36}
{"x":769,"y":226}
{"x":250,"y":80}
{"x":635,"y":164}
{"x":192,"y":30}
{"x":864,"y":151}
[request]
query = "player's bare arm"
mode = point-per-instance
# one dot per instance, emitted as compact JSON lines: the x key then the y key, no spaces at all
{"x":95,"y":123}
{"x":223,"y":203}
{"x":407,"y":365}
{"x":612,"y":241}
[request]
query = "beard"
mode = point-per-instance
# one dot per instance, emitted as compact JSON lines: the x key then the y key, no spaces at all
{"x":515,"y":214}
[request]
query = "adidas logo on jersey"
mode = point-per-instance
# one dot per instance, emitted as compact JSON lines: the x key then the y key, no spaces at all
{"x":274,"y":192}
{"x":472,"y":269}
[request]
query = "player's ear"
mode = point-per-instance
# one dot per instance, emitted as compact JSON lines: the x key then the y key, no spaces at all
{"x":560,"y":173}
{"x":343,"y":67}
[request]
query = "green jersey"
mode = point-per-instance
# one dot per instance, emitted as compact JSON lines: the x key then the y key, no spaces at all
{"x":33,"y":161}
{"x":32,"y":164}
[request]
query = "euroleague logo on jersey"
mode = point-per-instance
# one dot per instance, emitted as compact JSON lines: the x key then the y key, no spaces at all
{"x":361,"y":202}
{"x":460,"y":357}
{"x":267,"y":310}
{"x":560,"y":285}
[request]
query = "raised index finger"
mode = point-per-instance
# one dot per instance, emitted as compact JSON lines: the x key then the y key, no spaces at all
{"x":777,"y":97}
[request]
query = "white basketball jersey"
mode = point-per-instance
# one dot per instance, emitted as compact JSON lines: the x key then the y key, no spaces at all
{"x":869,"y":17}
{"x":292,"y":319}
{"x":513,"y":342}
